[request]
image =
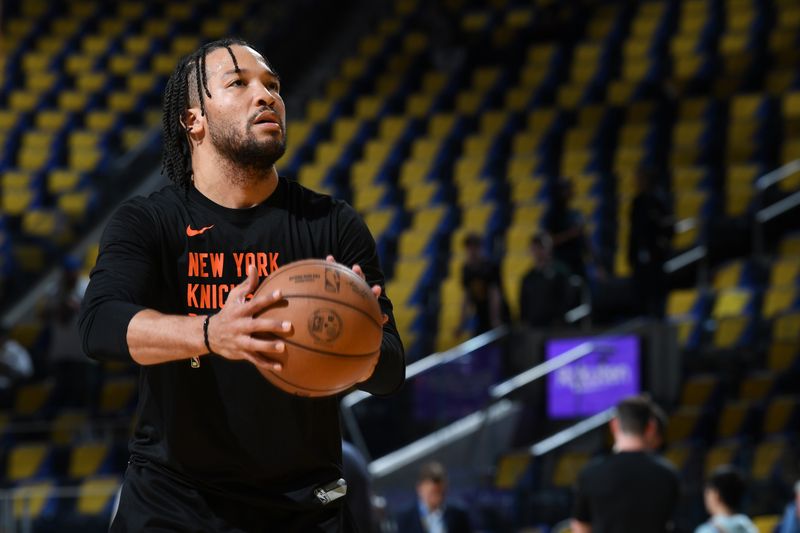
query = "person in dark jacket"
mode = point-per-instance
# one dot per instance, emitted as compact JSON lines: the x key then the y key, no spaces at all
{"x":432,"y":513}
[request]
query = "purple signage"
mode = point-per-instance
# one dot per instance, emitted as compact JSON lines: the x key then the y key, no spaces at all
{"x":595,"y":382}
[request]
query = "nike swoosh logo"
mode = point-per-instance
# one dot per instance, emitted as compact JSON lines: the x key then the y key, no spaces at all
{"x":195,"y":232}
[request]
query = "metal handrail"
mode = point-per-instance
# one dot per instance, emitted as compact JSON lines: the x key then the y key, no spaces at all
{"x":539,"y":371}
{"x":764,"y":214}
{"x":779,"y":174}
{"x":417,"y":367}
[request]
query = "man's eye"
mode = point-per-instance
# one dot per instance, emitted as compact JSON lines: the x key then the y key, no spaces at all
{"x":237,"y":83}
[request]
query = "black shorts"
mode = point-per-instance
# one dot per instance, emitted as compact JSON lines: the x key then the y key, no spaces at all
{"x":152,"y":501}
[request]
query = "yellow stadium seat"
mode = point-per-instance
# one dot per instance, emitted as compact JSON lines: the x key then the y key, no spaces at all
{"x":23,"y":100}
{"x":682,"y":424}
{"x":757,"y":386}
{"x":95,"y":45}
{"x":729,"y":331}
{"x":69,"y":100}
{"x":26,"y":460}
{"x":779,"y":414}
{"x":137,"y":45}
{"x":30,"y":499}
{"x":790,"y":246}
{"x":96,"y":494}
{"x":37,"y":140}
{"x":39,"y":82}
{"x":368,"y":197}
{"x":568,"y":465}
{"x":29,"y":258}
{"x":368,"y":107}
{"x":378,"y":221}
{"x":141,"y":82}
{"x":720,"y":454}
{"x":123,"y":101}
{"x":421,"y":195}
{"x":156,"y":27}
{"x":117,"y":395}
{"x":392,"y":127}
{"x":86,"y":459}
{"x":32,"y":159}
{"x":132,"y":137}
{"x":767,"y":459}
{"x":67,"y":426}
{"x":785,"y":272}
{"x":318,"y":110}
{"x":766,"y":523}
{"x":15,"y":201}
{"x":698,"y":390}
{"x":9,"y":119}
{"x":510,"y":469}
{"x":64,"y":28}
{"x":41,"y":223}
{"x":783,"y":355}
{"x":778,"y":300}
{"x":576,"y":161}
{"x":786,"y":327}
{"x":112,"y":26}
{"x":732,"y":419}
{"x":164,"y":63}
{"x":74,"y":204}
{"x":101,"y":120}
{"x":84,"y":160}
{"x":215,"y":28}
{"x":728,"y":275}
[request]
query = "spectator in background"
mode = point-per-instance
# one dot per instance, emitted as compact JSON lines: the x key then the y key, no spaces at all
{"x":431,"y":513}
{"x":75,"y":374}
{"x":483,"y":294}
{"x":649,"y":245}
{"x":723,"y":498}
{"x":633,"y":490}
{"x":545,"y":294}
{"x":790,"y":523}
{"x":567,"y":229}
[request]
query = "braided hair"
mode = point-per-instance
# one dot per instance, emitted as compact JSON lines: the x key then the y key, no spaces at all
{"x":187,"y":86}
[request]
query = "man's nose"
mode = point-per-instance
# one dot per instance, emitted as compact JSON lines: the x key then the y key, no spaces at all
{"x":264,"y":97}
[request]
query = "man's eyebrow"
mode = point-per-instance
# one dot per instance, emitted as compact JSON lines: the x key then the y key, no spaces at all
{"x":244,"y":70}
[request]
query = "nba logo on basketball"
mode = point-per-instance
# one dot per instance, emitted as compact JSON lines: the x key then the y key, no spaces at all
{"x":325,"y":325}
{"x":331,"y":280}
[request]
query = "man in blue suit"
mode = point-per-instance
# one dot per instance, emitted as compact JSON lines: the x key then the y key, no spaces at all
{"x":431,"y":514}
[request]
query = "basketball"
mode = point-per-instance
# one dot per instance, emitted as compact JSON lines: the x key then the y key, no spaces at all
{"x":337,"y":328}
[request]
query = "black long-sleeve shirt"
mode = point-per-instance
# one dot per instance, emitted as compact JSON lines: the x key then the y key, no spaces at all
{"x":222,"y":426}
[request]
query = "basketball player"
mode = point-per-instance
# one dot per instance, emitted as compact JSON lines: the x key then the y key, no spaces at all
{"x":216,"y":447}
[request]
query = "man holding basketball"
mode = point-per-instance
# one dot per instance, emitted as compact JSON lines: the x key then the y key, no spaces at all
{"x":216,"y":447}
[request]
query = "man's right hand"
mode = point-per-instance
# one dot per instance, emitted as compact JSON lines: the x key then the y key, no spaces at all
{"x":232,"y":331}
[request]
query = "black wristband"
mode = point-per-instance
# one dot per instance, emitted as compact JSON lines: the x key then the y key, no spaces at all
{"x":205,"y":334}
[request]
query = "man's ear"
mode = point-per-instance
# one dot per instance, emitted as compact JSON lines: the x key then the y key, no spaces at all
{"x":614,"y":425}
{"x":193,"y":122}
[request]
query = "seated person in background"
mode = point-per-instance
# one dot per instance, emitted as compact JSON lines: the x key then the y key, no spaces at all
{"x":723,"y":497}
{"x":545,"y":294}
{"x":431,"y":514}
{"x":791,"y":516}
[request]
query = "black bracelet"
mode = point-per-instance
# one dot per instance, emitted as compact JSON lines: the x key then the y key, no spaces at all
{"x":205,"y":333}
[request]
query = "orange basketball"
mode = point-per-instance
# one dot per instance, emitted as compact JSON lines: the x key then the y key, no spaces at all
{"x":336,"y":335}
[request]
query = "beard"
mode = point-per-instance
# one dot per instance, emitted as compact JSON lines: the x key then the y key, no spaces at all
{"x":244,"y":151}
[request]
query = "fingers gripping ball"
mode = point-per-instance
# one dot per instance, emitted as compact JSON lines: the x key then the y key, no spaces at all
{"x":337,"y":329}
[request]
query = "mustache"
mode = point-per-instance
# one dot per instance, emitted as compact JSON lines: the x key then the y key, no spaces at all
{"x":263,"y":110}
